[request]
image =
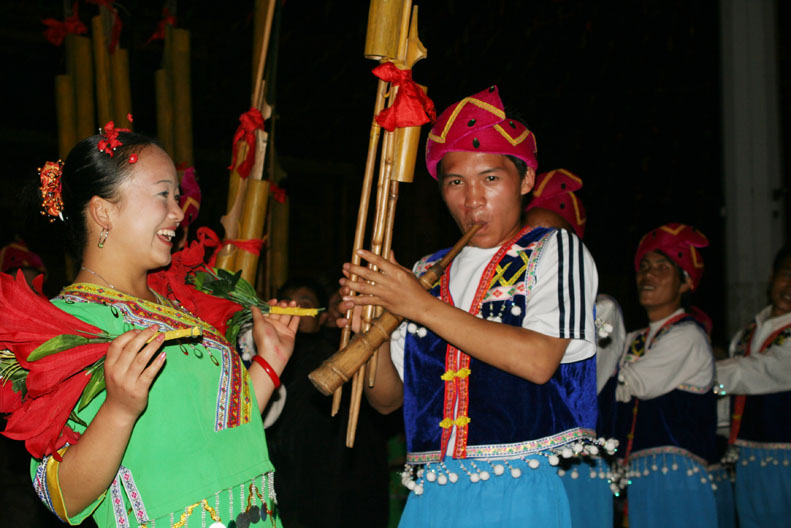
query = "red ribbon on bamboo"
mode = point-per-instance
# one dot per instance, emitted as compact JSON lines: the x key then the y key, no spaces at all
{"x":253,"y":245}
{"x":412,"y":107}
{"x":278,"y":193}
{"x":115,"y":31}
{"x":58,"y":30}
{"x":167,"y":20}
{"x":250,"y":121}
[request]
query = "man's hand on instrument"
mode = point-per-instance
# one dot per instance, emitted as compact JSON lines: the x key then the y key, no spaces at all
{"x":391,"y":286}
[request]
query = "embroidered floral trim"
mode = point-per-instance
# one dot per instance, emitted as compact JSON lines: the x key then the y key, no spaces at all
{"x":763,"y":445}
{"x":696,"y":390}
{"x":41,"y":486}
{"x":117,"y":501}
{"x":666,"y":450}
{"x":138,"y":508}
{"x":514,"y":450}
{"x":234,"y":402}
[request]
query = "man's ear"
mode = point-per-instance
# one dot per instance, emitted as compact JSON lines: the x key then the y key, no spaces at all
{"x":99,"y":211}
{"x":686,"y":284}
{"x":528,"y":180}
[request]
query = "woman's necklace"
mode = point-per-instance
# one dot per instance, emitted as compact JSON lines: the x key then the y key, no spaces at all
{"x":94,"y":273}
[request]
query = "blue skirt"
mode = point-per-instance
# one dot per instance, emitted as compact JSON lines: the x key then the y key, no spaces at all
{"x":480,"y":497}
{"x":587,"y":484}
{"x":669,"y":489}
{"x":722,"y":478}
{"x":763,"y":485}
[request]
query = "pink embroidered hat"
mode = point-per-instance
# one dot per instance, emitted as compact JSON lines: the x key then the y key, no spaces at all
{"x":478,"y":124}
{"x":554,"y":190}
{"x":679,"y":242}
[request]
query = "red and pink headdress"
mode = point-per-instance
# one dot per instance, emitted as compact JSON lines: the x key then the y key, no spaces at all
{"x":680,"y":243}
{"x":478,"y":124}
{"x":190,"y":197}
{"x":17,"y":255}
{"x":554,"y":190}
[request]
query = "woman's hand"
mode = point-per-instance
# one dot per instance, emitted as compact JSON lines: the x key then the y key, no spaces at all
{"x":392,"y":286}
{"x":129,"y":371}
{"x":274,"y":335}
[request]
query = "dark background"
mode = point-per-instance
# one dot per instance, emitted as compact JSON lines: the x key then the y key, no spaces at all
{"x":624,"y":94}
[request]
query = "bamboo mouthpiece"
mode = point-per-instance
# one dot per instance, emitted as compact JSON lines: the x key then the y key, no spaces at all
{"x":342,"y":365}
{"x":194,"y":331}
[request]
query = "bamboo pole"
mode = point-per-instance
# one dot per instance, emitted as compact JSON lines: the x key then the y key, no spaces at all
{"x":122,"y":96}
{"x":377,"y":240}
{"x":232,"y":221}
{"x":255,"y":206}
{"x":64,"y":103}
{"x":79,"y":65}
{"x":362,"y":211}
{"x":164,"y":111}
{"x":180,"y":95}
{"x":101,"y":61}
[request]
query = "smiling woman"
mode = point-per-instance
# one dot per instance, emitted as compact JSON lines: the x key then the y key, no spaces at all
{"x":124,"y":460}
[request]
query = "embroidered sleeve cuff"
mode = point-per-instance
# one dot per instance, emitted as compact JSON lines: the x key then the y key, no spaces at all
{"x":45,"y":482}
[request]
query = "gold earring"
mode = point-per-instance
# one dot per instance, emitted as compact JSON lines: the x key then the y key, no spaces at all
{"x":103,"y":237}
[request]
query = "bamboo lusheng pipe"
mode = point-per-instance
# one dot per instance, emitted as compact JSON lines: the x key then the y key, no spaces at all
{"x":180,"y":95}
{"x":382,"y":35}
{"x":337,"y":370}
{"x":79,"y":64}
{"x":405,"y":155}
{"x":377,"y":248}
{"x":64,"y":103}
{"x":101,"y":61}
{"x":382,"y":42}
{"x":122,"y":96}
{"x":362,"y":211}
{"x":410,"y":50}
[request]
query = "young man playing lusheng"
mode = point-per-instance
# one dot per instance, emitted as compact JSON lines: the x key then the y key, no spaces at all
{"x":495,"y":364}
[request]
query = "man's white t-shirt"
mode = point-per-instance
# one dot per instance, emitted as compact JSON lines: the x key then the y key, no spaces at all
{"x":566,"y":283}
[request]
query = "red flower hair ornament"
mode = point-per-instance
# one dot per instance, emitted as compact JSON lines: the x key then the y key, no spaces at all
{"x":111,"y":141}
{"x":51,"y":187}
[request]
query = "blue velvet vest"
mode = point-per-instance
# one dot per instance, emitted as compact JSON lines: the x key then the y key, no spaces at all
{"x":685,"y":417}
{"x":499,"y":414}
{"x":766,"y":417}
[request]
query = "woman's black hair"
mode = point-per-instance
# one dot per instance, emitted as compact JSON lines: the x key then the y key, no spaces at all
{"x":89,"y":172}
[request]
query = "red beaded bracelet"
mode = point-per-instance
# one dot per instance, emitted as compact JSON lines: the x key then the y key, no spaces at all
{"x":268,"y":369}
